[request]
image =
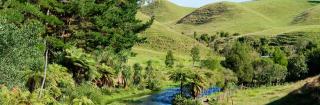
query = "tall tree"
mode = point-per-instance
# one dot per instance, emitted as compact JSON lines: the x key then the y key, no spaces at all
{"x":149,"y":70}
{"x":195,"y":54}
{"x":126,"y":75}
{"x":197,"y":84}
{"x":137,"y":75}
{"x":169,"y":59}
{"x":239,"y":59}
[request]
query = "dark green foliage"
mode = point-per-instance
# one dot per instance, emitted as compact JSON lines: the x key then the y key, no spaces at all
{"x":195,"y":54}
{"x":86,"y":23}
{"x":169,"y":59}
{"x":313,"y":61}
{"x":314,"y":1}
{"x":297,"y":67}
{"x":137,"y":74}
{"x":239,"y":59}
{"x":21,"y":49}
{"x":224,"y":34}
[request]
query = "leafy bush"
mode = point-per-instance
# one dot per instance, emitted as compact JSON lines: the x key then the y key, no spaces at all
{"x":297,"y":68}
{"x":239,"y":59}
{"x":266,"y":72}
{"x":20,"y":49}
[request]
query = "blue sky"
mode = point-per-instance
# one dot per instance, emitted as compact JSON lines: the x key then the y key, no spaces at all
{"x":199,"y":3}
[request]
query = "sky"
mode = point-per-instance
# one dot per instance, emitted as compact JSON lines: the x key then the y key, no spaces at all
{"x":199,"y":3}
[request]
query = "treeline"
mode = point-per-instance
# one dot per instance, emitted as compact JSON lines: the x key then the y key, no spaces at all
{"x":87,"y":43}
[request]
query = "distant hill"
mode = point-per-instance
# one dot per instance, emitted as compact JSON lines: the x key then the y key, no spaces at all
{"x":165,"y":11}
{"x":245,"y":18}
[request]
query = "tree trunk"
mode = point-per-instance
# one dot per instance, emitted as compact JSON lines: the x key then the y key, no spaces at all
{"x":45,"y":73}
{"x":181,"y":87}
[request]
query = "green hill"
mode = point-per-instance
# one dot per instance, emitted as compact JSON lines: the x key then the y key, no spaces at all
{"x":165,"y":11}
{"x":255,"y":17}
{"x":160,"y":39}
{"x":175,"y":25}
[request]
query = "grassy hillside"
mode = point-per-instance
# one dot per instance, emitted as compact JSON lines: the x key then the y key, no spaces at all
{"x":232,"y":17}
{"x":160,"y":39}
{"x":308,"y":17}
{"x":250,"y":18}
{"x":269,"y":95}
{"x":165,"y":11}
{"x":261,"y":17}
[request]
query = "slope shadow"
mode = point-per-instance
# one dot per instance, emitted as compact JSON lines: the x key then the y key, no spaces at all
{"x":309,"y":94}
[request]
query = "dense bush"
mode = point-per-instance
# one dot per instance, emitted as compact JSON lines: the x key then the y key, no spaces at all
{"x":21,"y":49}
{"x":297,"y":68}
{"x":313,"y":61}
{"x":239,"y":59}
{"x":267,"y":72}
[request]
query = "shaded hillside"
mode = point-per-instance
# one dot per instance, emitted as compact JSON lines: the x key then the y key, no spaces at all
{"x":308,"y":17}
{"x":308,"y":94}
{"x":208,"y":13}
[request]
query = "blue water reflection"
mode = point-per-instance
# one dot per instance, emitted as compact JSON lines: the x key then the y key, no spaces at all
{"x":166,"y":97}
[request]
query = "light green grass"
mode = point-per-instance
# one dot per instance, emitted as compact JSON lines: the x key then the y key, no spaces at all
{"x":261,"y":95}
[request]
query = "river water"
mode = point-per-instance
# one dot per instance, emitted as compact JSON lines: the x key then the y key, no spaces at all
{"x":165,"y":97}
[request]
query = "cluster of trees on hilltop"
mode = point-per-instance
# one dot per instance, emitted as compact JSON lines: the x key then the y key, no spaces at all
{"x":80,"y":42}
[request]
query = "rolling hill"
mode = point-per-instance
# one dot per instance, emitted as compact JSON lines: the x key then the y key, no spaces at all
{"x":174,"y":25}
{"x":259,"y":16}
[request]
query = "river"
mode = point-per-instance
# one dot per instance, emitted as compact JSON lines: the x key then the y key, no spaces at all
{"x":166,"y":96}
